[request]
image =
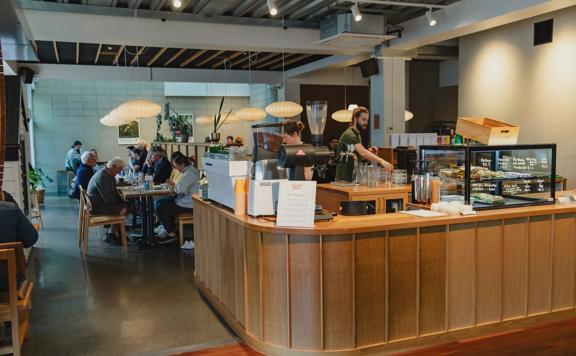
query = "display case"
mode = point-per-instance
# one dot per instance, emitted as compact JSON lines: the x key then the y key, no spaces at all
{"x":492,"y":177}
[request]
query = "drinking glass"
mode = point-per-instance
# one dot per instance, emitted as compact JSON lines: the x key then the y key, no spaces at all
{"x":399,"y":176}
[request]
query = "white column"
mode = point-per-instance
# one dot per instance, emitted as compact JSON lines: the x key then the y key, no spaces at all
{"x":388,"y":99}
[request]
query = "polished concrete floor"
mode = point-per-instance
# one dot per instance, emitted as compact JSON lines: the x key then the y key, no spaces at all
{"x":109,"y":302}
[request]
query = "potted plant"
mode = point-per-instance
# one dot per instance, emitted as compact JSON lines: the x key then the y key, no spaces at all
{"x":185,"y":128}
{"x":219,"y":120}
{"x":36,"y":181}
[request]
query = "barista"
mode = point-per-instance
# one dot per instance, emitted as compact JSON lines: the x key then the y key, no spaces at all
{"x":359,"y":124}
{"x":293,"y":136}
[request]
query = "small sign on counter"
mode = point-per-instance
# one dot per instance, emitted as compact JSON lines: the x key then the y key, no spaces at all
{"x":296,"y":204}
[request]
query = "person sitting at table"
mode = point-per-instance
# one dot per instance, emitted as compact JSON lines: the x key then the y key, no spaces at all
{"x":162,"y":168}
{"x":182,"y":201}
{"x":175,"y":178}
{"x":72,"y":161}
{"x":229,"y":140}
{"x":96,"y":167}
{"x":103,"y":193}
{"x":84,"y":174}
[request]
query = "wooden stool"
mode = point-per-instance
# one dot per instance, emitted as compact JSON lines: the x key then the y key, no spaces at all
{"x":87,"y":219}
{"x":17,"y":301}
{"x":184,"y":219}
{"x":35,"y":212}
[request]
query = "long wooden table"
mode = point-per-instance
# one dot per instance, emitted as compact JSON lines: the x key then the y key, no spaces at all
{"x":385,"y":282}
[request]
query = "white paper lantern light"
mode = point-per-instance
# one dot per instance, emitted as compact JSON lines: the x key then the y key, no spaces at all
{"x":205,"y":120}
{"x":231,"y":119}
{"x":139,"y":108}
{"x":251,"y":114}
{"x":342,"y":115}
{"x":284,"y":109}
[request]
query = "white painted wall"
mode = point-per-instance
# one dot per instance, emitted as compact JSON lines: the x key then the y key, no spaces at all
{"x":503,"y":76}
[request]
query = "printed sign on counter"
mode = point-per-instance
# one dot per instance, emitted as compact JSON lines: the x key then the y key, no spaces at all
{"x":296,"y":204}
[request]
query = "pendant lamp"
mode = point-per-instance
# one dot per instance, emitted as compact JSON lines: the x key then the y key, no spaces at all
{"x":251,"y":114}
{"x":205,"y":120}
{"x":231,"y":119}
{"x":114,"y":118}
{"x":284,"y":109}
{"x":139,"y":108}
{"x":342,"y":115}
{"x":408,"y":115}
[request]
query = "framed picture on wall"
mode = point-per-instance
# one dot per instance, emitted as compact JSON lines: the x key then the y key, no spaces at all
{"x":129,"y":134}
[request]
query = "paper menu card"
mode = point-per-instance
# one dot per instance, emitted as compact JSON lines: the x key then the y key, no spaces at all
{"x":296,"y":204}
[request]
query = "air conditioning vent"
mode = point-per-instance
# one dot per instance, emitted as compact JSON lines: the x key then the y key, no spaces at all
{"x":342,"y":31}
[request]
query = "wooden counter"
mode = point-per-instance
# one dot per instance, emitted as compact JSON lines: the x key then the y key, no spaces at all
{"x":330,"y":196}
{"x":385,"y":282}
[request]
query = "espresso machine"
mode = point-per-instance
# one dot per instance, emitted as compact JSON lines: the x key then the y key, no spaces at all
{"x":296,"y":157}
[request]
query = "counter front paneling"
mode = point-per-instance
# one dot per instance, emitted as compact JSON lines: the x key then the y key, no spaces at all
{"x":385,"y":282}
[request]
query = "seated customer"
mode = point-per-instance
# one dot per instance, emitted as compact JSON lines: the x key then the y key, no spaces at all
{"x":182,"y":202}
{"x":103,"y":192}
{"x":162,"y":168}
{"x":15,"y":227}
{"x":84,"y":174}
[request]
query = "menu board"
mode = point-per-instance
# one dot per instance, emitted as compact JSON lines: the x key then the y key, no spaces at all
{"x":527,"y":186}
{"x":523,"y":164}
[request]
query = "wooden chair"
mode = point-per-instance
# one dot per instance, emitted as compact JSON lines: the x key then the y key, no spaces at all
{"x":15,"y":303}
{"x":88,"y":219}
{"x":184,"y":219}
{"x":35,"y":212}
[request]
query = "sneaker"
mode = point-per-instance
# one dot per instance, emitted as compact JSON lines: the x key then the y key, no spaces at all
{"x":159,"y":229}
{"x":188,"y":245}
{"x":162,"y":234}
{"x":166,"y":240}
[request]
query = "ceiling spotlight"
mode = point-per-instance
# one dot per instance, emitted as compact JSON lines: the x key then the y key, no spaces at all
{"x":356,"y":12}
{"x":431,"y":19}
{"x":177,"y":3}
{"x":272,"y":7}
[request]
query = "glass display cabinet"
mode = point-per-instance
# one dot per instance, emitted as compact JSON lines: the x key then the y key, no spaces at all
{"x":492,"y":177}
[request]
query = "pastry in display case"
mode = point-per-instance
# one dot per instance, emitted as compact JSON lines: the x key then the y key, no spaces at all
{"x":490,"y":177}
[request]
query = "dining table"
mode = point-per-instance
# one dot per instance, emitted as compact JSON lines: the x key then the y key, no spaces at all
{"x":146,"y":198}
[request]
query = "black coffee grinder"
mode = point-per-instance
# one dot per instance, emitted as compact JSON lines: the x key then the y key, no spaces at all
{"x":297,"y":157}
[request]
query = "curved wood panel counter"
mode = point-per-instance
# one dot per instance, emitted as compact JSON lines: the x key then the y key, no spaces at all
{"x":385,"y":282}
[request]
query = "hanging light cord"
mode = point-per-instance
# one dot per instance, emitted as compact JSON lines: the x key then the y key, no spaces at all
{"x":283,"y":69}
{"x":345,"y":81}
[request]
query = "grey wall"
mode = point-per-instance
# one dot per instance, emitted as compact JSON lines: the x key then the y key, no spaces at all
{"x":64,"y":111}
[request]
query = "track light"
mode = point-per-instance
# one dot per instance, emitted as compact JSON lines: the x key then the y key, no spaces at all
{"x":356,"y":12}
{"x":177,"y":3}
{"x":431,"y":19}
{"x":272,"y":7}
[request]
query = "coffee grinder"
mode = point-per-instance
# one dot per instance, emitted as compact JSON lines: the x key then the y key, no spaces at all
{"x":297,"y":157}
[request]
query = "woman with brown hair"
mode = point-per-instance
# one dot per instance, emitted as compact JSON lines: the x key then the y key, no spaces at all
{"x":293,"y":136}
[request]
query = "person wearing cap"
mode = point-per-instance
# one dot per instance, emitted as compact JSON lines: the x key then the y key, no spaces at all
{"x":73,"y":157}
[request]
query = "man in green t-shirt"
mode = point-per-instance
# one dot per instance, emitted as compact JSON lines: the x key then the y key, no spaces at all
{"x":344,"y":164}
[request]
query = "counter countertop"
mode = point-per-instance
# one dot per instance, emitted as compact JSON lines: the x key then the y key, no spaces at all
{"x":369,"y":223}
{"x":362,"y":189}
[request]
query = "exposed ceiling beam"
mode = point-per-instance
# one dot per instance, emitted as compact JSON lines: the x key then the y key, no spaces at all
{"x":292,"y":6}
{"x":118,"y":53}
{"x":263,"y":9}
{"x":134,"y":4}
{"x":291,"y":61}
{"x":192,"y":58}
{"x":209,"y":58}
{"x":310,"y":7}
{"x":157,"y":4}
{"x":258,"y":61}
{"x":246,"y":7}
{"x":98,"y":53}
{"x":272,"y":61}
{"x":49,"y":25}
{"x":97,"y":72}
{"x":168,"y":15}
{"x":114,"y":3}
{"x":242,"y":60}
{"x":156,"y":56}
{"x":173,"y":58}
{"x":77,"y":52}
{"x":56,"y":51}
{"x":137,"y":56}
{"x":229,"y":59}
{"x":200,"y":6}
{"x":403,"y":3}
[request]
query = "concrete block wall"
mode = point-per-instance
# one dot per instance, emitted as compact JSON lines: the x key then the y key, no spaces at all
{"x":64,"y":111}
